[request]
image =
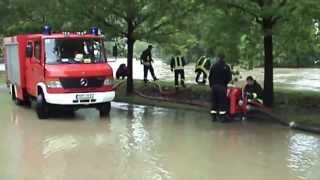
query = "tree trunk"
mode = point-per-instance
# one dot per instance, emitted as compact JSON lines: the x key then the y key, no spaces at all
{"x":130,"y":46}
{"x":268,"y":62}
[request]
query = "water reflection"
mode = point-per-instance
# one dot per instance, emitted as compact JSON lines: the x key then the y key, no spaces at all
{"x":53,"y":145}
{"x":304,"y":156}
{"x":138,"y":146}
{"x":141,"y":142}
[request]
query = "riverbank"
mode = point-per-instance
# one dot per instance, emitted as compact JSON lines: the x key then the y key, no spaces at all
{"x":298,"y":109}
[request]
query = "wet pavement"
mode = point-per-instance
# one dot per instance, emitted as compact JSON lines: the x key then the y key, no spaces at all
{"x":151,"y":143}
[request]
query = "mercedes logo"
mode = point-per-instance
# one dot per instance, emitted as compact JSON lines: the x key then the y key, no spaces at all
{"x":84,"y":82}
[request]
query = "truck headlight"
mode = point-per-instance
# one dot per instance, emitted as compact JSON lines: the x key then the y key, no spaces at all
{"x":108,"y":82}
{"x":54,"y":84}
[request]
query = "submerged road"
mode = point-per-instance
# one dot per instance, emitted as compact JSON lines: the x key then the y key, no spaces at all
{"x":149,"y":143}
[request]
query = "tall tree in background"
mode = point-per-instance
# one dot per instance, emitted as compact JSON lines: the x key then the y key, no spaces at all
{"x":135,"y":20}
{"x":268,"y":14}
{"x":29,"y":16}
{"x":234,"y":25}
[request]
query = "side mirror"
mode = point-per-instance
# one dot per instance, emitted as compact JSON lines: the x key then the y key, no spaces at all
{"x":29,"y":51}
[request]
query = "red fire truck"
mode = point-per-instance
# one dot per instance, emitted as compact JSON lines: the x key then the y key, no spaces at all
{"x":59,"y":69}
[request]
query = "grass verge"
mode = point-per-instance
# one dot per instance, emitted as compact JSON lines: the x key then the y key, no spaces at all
{"x":302,"y":107}
{"x":2,"y":77}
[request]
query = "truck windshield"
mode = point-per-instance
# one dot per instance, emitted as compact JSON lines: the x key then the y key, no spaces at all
{"x":74,"y":51}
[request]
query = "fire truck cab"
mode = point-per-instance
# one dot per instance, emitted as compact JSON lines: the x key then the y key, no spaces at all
{"x":59,"y":69}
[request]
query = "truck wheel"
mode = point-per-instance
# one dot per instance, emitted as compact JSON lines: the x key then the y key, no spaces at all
{"x":42,"y":107}
{"x":104,"y":109}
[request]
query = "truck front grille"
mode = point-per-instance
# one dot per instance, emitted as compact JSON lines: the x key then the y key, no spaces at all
{"x":82,"y":82}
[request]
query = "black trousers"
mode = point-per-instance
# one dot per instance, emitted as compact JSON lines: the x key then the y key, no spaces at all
{"x":146,"y":69}
{"x":219,"y":99}
{"x":199,"y":72}
{"x":177,"y":73}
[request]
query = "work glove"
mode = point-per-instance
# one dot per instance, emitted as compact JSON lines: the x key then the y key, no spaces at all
{"x":255,"y":95}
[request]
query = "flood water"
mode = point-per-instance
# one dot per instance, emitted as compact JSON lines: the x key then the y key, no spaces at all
{"x":298,"y":79}
{"x":150,"y":143}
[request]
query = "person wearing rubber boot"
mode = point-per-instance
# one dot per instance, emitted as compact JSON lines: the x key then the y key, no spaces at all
{"x":177,"y":66}
{"x":219,"y":77}
{"x":146,"y":60}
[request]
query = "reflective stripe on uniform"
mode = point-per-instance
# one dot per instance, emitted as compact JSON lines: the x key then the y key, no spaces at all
{"x":259,"y":100}
{"x":222,"y":112}
{"x":178,"y":65}
{"x":255,"y":95}
{"x":213,"y":112}
{"x":201,"y":63}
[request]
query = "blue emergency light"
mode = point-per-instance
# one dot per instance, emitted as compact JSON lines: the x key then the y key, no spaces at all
{"x":47,"y":30}
{"x":95,"y":31}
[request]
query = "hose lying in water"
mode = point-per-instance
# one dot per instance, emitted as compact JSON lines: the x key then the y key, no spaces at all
{"x":159,"y":87}
{"x":267,"y":111}
{"x":164,"y":95}
{"x":163,"y":92}
{"x":118,"y":85}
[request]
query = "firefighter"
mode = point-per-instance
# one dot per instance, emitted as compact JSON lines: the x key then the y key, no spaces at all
{"x":202,"y":67}
{"x":253,"y":90}
{"x":122,"y":71}
{"x":177,"y":65}
{"x":146,"y":60}
{"x":219,"y":77}
{"x":115,"y":51}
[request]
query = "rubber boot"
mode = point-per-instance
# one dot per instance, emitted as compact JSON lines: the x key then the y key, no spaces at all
{"x":214,"y":118}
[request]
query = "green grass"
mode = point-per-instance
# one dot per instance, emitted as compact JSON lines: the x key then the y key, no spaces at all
{"x":2,"y":78}
{"x":291,"y":105}
{"x":307,"y":99}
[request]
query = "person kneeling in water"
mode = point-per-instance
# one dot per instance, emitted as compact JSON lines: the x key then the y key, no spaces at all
{"x":253,"y":90}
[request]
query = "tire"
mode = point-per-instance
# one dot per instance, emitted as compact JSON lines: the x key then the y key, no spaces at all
{"x":42,"y":107}
{"x":104,"y":109}
{"x":28,"y":103}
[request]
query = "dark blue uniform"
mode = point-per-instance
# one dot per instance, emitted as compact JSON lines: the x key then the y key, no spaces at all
{"x":219,"y":77}
{"x":146,"y":60}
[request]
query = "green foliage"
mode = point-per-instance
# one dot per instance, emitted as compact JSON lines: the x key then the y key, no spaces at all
{"x":193,"y":27}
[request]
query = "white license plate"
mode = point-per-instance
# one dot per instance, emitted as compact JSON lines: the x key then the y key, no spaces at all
{"x":83,"y":97}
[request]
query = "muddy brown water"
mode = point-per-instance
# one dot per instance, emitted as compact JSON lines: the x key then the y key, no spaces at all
{"x":151,"y":143}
